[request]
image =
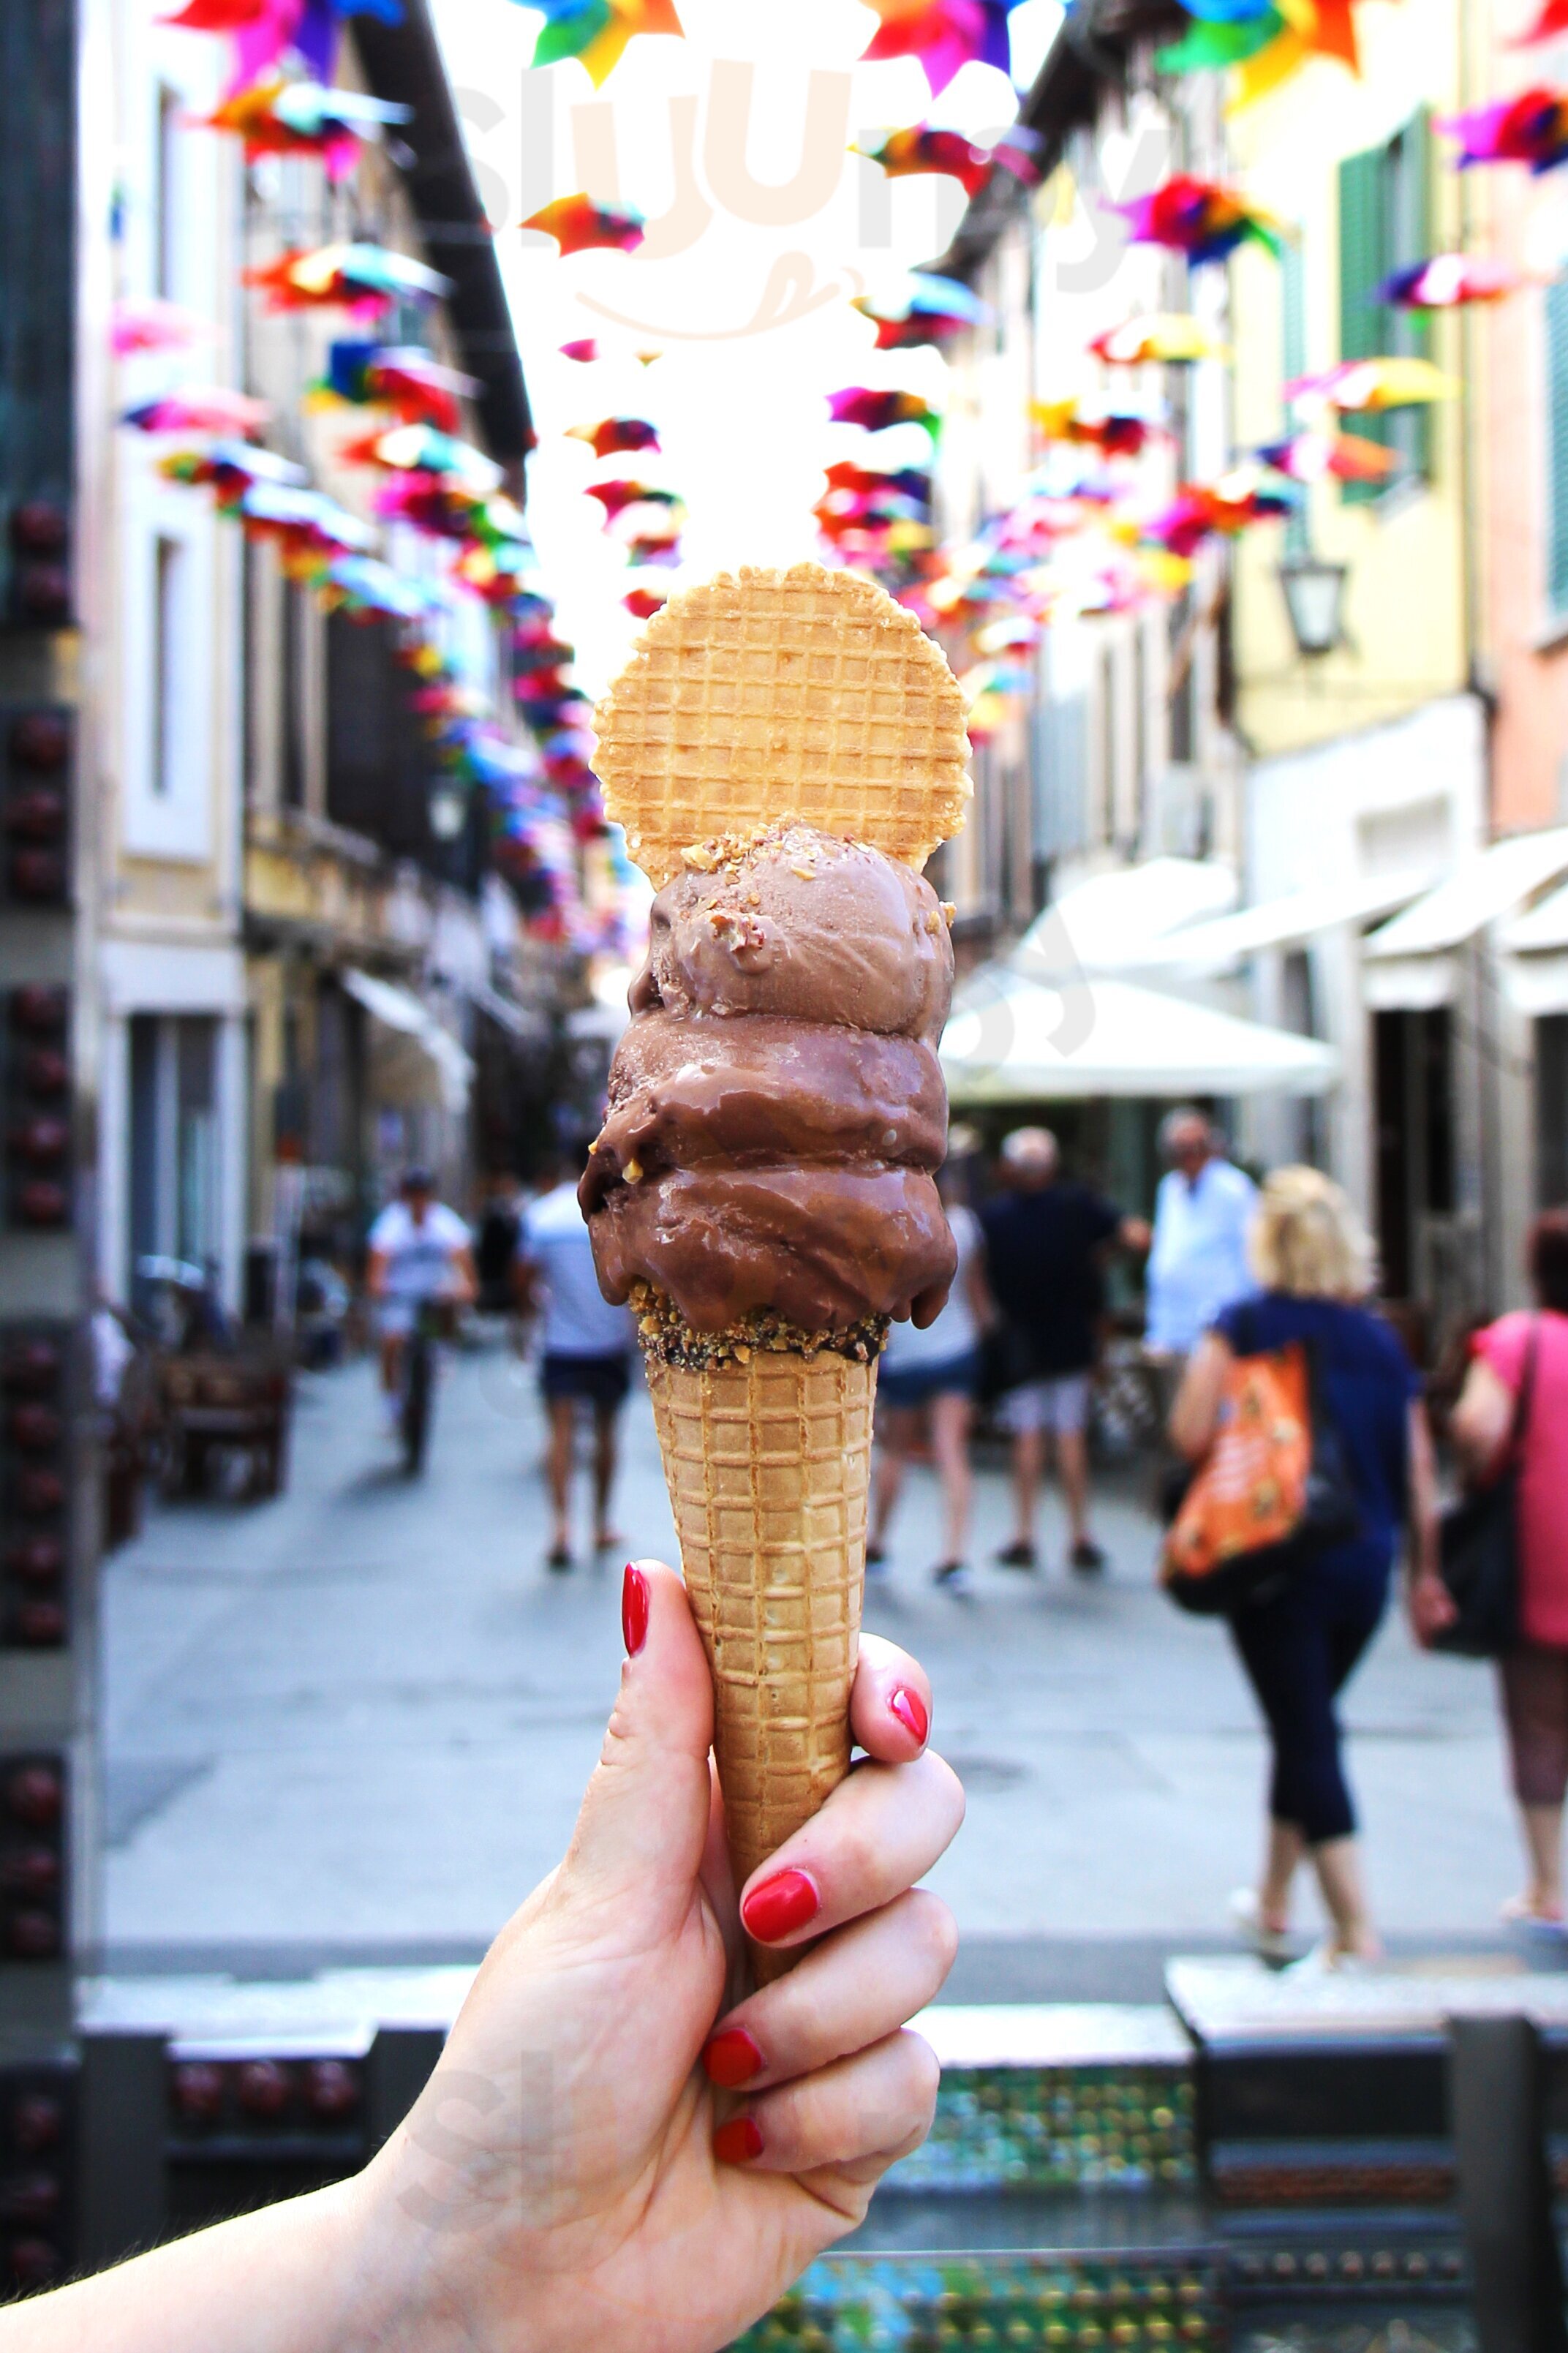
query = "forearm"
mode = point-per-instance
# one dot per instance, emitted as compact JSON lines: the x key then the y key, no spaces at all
{"x":294,"y":2278}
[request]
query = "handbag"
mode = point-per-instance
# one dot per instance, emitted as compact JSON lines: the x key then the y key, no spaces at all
{"x":1272,"y":1491}
{"x":1478,"y":1556}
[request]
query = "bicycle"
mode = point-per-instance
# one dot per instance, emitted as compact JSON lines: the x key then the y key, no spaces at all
{"x":432,"y":1322}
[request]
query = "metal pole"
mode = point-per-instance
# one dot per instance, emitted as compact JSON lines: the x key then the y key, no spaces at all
{"x":1497,"y":2109}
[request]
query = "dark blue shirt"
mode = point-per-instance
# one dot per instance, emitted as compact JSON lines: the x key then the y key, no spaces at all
{"x":1042,"y":1263}
{"x":1365,"y":1382}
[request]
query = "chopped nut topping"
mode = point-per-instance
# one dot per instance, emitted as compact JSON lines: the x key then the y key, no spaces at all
{"x":948,"y":912}
{"x":668,"y":1339}
{"x":806,"y":873}
{"x":700,"y":856}
{"x":632,"y":1172}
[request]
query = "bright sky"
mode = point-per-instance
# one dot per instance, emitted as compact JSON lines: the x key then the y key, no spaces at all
{"x":760,"y":228}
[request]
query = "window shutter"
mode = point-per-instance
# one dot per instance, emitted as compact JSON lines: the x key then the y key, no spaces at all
{"x":1294,"y":363}
{"x":1556,"y":324}
{"x":1363,"y":240}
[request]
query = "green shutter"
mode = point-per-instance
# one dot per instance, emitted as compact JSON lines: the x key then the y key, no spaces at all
{"x":1363,"y":240}
{"x":1557,"y":310}
{"x":1294,"y":363}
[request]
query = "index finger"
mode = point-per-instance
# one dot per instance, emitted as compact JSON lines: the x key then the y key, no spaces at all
{"x":891,"y":1704}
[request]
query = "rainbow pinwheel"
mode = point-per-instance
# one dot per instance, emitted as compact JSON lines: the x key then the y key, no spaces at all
{"x":614,"y":433}
{"x":302,"y":118}
{"x":363,"y":278}
{"x":933,"y":309}
{"x":1118,"y":433}
{"x":907,"y":154}
{"x":875,"y":411}
{"x":420,"y":449}
{"x":1203,"y":510}
{"x":580,"y":226}
{"x":402,"y":377}
{"x":642,"y":604}
{"x":906,"y":481}
{"x":1319,"y":456}
{"x":1172,"y":337}
{"x":367,"y":589}
{"x":266,"y":31}
{"x":616,"y":497}
{"x":140,"y":323}
{"x":230,"y":468}
{"x":1310,"y":28}
{"x":1449,"y":281}
{"x":583,"y":350}
{"x":1531,"y":129}
{"x":944,"y":34}
{"x":1200,"y":218}
{"x":595,"y":32}
{"x":1549,"y":25}
{"x":198,"y":409}
{"x":1215,"y":43}
{"x":1364,"y":387}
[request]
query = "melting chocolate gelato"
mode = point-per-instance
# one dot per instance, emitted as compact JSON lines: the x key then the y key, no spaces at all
{"x":776,"y":1109}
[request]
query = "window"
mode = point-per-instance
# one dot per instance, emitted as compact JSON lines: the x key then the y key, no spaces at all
{"x":292,"y":689}
{"x":1384,"y":227}
{"x":1556,"y":309}
{"x":168,"y":617}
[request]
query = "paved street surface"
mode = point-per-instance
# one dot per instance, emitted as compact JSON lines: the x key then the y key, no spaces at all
{"x":351,"y":1726}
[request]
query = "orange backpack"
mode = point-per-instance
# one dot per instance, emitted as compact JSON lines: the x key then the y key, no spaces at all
{"x":1271,"y":1490}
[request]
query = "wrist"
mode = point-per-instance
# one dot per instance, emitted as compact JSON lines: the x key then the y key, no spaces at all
{"x":410,"y":2263}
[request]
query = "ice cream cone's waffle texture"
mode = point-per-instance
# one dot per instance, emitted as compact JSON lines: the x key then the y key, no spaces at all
{"x":768,"y":1467}
{"x":806,"y":694}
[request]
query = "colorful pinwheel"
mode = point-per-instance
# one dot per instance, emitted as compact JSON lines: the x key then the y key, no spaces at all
{"x":583,"y":350}
{"x":266,"y":31}
{"x":595,"y":32}
{"x":230,"y":468}
{"x":204,"y":408}
{"x":363,"y":278}
{"x":1172,"y":337}
{"x":907,"y":481}
{"x":1202,"y":511}
{"x":580,"y":226}
{"x":616,"y":497}
{"x":875,"y":411}
{"x":420,"y":449}
{"x":905,"y":155}
{"x":933,"y":309}
{"x":1213,"y":44}
{"x":642,"y":604}
{"x":944,"y":34}
{"x":147,"y":324}
{"x":1364,"y":387}
{"x":1449,"y":281}
{"x":1549,"y":25}
{"x":367,"y":589}
{"x":1531,"y":129}
{"x":1118,"y":433}
{"x":302,"y":118}
{"x":614,"y":433}
{"x":1318,"y":456}
{"x":402,"y":377}
{"x":1200,"y":218}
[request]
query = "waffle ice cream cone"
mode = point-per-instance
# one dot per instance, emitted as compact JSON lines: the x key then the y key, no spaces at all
{"x":768,"y":1465}
{"x":755,"y":707}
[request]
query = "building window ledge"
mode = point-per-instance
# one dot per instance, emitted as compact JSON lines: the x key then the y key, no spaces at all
{"x":1552,"y":636}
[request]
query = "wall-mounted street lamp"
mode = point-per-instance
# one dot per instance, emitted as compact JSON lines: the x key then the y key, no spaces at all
{"x":1315,"y":600}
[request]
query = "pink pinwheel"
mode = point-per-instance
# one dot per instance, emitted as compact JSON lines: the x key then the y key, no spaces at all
{"x":1200,"y":218}
{"x":138,"y":324}
{"x":1449,"y":281}
{"x":205,"y":409}
{"x":1531,"y":129}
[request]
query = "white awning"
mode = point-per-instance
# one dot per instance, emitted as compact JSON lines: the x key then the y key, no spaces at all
{"x":399,"y":1008}
{"x":1289,"y":922}
{"x":1485,"y":887}
{"x":521,"y":1021}
{"x":1537,"y":985}
{"x":1099,"y":924}
{"x":1012,"y":1038}
{"x":1546,"y":925}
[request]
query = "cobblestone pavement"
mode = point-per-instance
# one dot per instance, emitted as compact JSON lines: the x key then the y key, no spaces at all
{"x":353,"y":1724}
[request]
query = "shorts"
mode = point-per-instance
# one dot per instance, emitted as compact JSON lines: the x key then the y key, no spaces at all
{"x":395,"y":1317}
{"x":916,"y":1385}
{"x":600,"y":1381}
{"x":1058,"y":1402}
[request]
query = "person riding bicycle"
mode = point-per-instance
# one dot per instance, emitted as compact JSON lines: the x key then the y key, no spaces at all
{"x":419,"y":1252}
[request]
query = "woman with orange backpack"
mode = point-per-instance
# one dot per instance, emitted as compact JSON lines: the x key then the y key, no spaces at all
{"x":1302,"y":1629}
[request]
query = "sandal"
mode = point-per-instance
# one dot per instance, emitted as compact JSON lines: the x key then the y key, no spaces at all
{"x":558,"y":1557}
{"x":1017,"y":1554}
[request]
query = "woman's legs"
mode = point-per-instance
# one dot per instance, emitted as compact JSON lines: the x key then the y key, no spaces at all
{"x":951,"y":1414}
{"x":1282,"y":1859}
{"x":1337,"y":1863}
{"x":1535,"y":1707}
{"x":896,"y":1429}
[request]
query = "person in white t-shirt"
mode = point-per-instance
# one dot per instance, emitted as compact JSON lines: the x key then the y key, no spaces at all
{"x":935,"y":1371}
{"x":587,"y":1352}
{"x":419,"y":1250}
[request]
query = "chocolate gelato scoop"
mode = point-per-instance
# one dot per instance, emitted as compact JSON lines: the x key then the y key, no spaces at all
{"x":776,"y":1109}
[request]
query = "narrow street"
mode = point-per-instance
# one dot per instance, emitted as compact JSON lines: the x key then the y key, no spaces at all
{"x":351,"y":1726}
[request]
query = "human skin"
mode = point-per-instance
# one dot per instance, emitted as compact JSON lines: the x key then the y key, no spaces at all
{"x":572,"y":2177}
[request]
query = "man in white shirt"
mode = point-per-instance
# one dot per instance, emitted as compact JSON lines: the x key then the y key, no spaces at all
{"x":419,"y":1250}
{"x":1203,"y":1213}
{"x":587,"y":1351}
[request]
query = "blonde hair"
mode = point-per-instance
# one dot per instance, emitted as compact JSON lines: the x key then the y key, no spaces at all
{"x":1308,"y":1241}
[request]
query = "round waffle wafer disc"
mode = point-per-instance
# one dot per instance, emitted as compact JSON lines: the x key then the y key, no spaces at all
{"x":806,"y":694}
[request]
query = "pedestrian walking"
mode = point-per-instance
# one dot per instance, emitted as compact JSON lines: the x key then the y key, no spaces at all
{"x":498,"y":1229}
{"x":935,"y":1374}
{"x":1514,"y":1406}
{"x":586,"y":1358}
{"x":1299,"y":1645}
{"x":1044,"y":1239}
{"x":1198,"y":1259}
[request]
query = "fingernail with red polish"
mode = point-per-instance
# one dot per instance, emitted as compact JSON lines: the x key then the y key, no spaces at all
{"x":738,"y":2142}
{"x":731,"y":2058}
{"x":910,"y":1709}
{"x":633,"y":1610}
{"x":781,"y":1904}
